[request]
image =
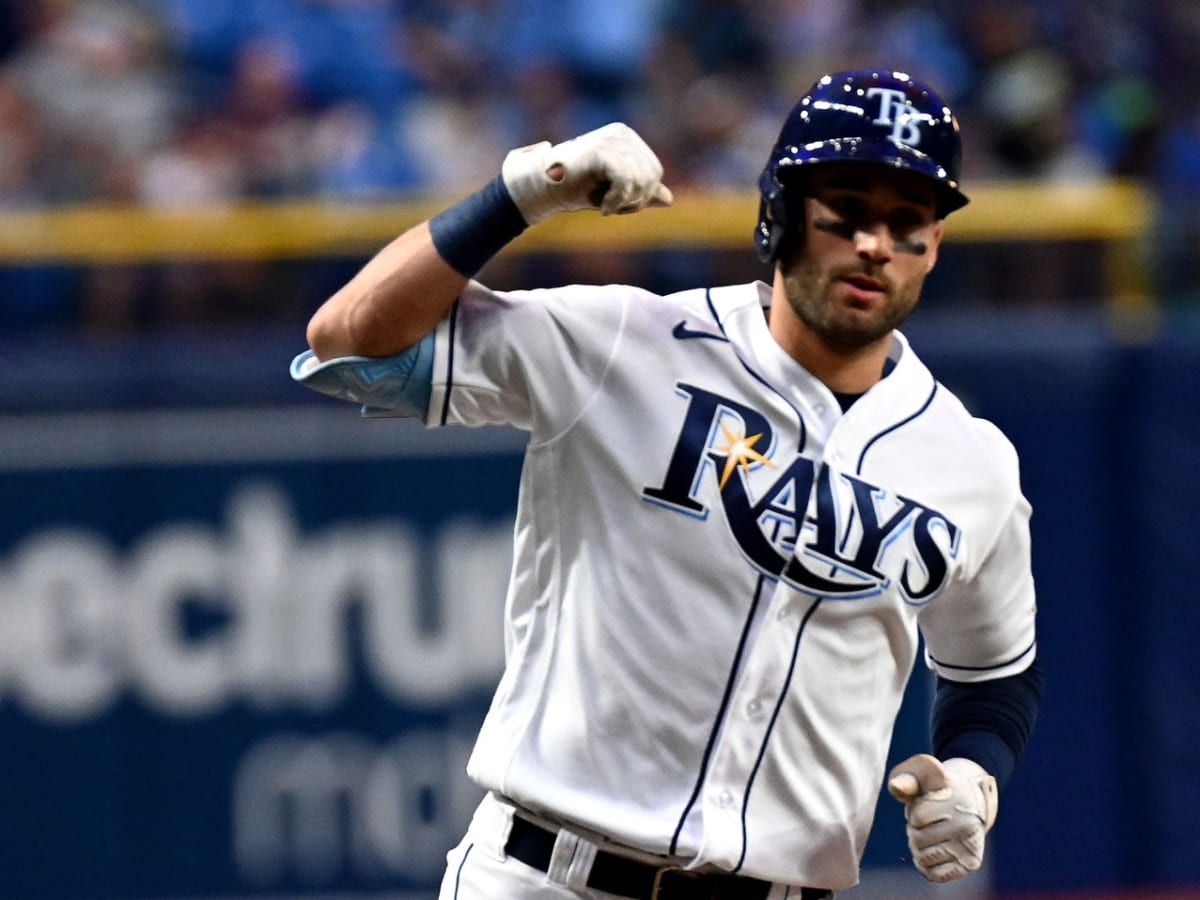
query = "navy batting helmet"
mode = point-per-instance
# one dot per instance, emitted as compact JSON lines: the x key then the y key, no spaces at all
{"x":864,"y":116}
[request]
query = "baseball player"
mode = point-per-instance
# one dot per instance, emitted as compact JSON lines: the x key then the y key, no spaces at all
{"x":740,"y":509}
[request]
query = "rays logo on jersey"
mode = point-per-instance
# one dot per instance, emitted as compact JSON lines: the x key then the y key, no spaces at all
{"x":828,"y":533}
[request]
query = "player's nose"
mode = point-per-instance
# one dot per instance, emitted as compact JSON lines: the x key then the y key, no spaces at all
{"x":874,"y":242}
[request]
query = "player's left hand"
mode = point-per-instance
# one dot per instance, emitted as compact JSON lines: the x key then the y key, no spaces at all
{"x":949,"y":808}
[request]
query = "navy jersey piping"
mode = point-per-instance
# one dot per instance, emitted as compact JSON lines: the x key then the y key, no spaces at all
{"x":720,"y":717}
{"x":461,"y":866}
{"x":453,"y":326}
{"x":803,"y":438}
{"x":762,"y":750}
{"x":862,"y":457}
{"x":999,"y":665}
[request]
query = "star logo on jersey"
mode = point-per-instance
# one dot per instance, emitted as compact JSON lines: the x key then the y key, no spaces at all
{"x":739,"y":451}
{"x":681,"y":332}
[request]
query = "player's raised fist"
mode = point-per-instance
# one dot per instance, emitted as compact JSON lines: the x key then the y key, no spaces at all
{"x":949,"y":807}
{"x":611,"y":169}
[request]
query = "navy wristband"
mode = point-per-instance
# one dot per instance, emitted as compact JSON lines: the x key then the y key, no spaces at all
{"x":987,"y":721}
{"x":474,"y":230}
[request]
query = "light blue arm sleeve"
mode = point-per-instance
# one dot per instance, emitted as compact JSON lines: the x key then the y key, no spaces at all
{"x":387,"y":386}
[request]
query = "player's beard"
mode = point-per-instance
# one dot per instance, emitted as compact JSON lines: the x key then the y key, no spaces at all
{"x":810,"y":292}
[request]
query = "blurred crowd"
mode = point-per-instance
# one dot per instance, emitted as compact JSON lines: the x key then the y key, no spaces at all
{"x":170,"y":102}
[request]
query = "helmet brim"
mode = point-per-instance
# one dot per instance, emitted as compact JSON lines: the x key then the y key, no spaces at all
{"x":884,"y":153}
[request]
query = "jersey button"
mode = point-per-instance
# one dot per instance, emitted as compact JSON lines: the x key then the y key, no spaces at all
{"x":725,"y":800}
{"x":753,"y":708}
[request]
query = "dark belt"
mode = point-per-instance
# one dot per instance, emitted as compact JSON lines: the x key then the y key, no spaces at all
{"x":533,"y":845}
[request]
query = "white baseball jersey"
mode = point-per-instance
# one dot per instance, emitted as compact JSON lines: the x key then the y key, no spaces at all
{"x":718,"y":576}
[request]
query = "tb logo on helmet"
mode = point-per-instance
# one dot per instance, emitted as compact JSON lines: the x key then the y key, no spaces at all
{"x":895,"y":110}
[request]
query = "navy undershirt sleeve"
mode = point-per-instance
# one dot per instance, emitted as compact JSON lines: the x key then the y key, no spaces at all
{"x":987,"y":721}
{"x":472,"y":231}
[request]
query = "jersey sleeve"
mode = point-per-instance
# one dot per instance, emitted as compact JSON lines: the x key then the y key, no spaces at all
{"x":390,"y":386}
{"x":985,"y":628}
{"x":528,"y":359}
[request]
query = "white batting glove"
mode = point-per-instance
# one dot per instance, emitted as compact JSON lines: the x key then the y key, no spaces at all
{"x":611,"y":169}
{"x":949,"y":808}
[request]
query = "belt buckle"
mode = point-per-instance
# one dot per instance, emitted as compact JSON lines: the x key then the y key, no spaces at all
{"x":662,"y":891}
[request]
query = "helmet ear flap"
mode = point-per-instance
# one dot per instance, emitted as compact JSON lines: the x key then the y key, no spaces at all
{"x":776,"y":233}
{"x":771,"y":230}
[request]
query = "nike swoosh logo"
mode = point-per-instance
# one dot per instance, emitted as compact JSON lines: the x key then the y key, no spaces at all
{"x":682,"y":332}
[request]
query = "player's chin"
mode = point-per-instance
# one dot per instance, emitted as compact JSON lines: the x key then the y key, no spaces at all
{"x":852,"y":327}
{"x":858,"y":321}
{"x":852,"y":338}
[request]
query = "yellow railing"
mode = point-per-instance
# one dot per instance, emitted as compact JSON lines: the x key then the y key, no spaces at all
{"x":1117,"y":213}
